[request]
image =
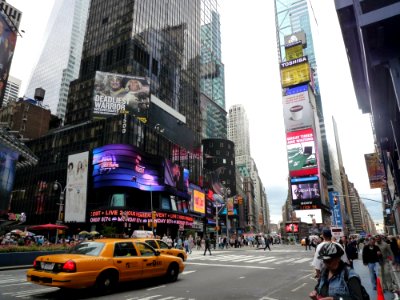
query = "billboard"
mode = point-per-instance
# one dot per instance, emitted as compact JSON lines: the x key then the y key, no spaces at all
{"x":295,"y":71}
{"x":176,"y":176}
{"x":297,"y":111}
{"x":336,"y":217}
{"x":76,"y":188}
{"x":8,"y":39}
{"x":294,"y":38}
{"x":125,"y":165}
{"x":301,"y":150}
{"x":199,"y":201}
{"x":376,"y":171}
{"x":309,"y":216}
{"x":292,"y":227}
{"x":305,"y":192}
{"x":8,"y":162}
{"x":115,"y":93}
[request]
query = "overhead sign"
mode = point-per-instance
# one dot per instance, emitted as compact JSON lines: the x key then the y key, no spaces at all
{"x":295,"y":72}
{"x":301,"y":150}
{"x":297,"y":111}
{"x":336,"y":217}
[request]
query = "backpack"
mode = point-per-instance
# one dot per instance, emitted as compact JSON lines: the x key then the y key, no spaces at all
{"x":364,"y":292}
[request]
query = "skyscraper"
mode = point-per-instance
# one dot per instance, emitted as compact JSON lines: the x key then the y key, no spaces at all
{"x":212,"y":74}
{"x":60,"y":59}
{"x":12,"y":90}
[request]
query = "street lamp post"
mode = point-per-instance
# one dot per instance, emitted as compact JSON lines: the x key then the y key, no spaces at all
{"x":227,"y":192}
{"x":60,"y":216}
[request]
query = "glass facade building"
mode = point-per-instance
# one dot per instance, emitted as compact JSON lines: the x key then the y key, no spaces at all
{"x":59,"y":61}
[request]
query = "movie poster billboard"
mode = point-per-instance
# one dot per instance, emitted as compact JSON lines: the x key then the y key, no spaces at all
{"x":301,"y":150}
{"x":8,"y":40}
{"x":8,"y":162}
{"x":199,"y":202}
{"x":116,"y":93}
{"x":297,"y":111}
{"x":292,"y":227}
{"x":376,"y":171}
{"x":310,"y":216}
{"x":76,"y":189}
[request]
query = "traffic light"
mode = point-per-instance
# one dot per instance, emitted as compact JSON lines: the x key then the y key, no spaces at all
{"x":335,"y":200}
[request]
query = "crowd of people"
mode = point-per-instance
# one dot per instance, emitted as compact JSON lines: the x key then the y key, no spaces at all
{"x":334,"y":269}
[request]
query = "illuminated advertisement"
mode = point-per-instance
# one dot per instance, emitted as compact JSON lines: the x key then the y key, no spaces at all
{"x":295,"y":71}
{"x":115,"y":93}
{"x":199,"y":202}
{"x":8,"y":162}
{"x":176,"y":176}
{"x":336,"y":217}
{"x":292,"y":228}
{"x":301,"y":150}
{"x":229,"y":205}
{"x":131,"y":216}
{"x":305,"y":191}
{"x":8,"y":39}
{"x":294,"y":51}
{"x":125,"y":165}
{"x":376,"y":171}
{"x":75,"y":192}
{"x":309,"y":216}
{"x":294,"y":38}
{"x":297,"y":111}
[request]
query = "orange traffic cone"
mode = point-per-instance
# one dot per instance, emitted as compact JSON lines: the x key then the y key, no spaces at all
{"x":379,"y":291}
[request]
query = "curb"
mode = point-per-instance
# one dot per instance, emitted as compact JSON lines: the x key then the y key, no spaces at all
{"x":15,"y":267}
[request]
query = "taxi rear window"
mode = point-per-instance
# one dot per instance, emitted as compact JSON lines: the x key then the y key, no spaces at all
{"x":87,"y":248}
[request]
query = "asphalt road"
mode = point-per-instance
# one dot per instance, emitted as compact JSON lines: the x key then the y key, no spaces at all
{"x":247,"y":273}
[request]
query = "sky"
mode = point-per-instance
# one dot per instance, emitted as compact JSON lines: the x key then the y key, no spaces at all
{"x":249,"y":53}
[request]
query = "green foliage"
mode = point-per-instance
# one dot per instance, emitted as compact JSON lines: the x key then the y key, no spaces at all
{"x":15,"y":248}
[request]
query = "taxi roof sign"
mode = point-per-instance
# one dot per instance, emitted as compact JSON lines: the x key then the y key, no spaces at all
{"x":142,"y":234}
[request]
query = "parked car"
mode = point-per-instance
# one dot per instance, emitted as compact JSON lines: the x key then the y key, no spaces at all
{"x":164,"y":248}
{"x":103,"y":263}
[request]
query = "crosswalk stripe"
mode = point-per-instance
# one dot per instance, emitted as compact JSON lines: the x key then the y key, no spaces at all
{"x":256,"y":259}
{"x":284,"y":261}
{"x":150,"y":297}
{"x":268,"y":260}
{"x":31,"y":292}
{"x":301,"y":260}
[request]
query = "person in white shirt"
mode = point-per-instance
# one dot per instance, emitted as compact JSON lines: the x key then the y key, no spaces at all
{"x":318,"y":263}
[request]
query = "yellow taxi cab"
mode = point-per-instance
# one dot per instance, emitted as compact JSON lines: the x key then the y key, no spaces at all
{"x":163,"y":247}
{"x":103,"y":263}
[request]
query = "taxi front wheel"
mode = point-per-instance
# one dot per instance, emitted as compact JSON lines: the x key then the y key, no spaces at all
{"x":172,"y":273}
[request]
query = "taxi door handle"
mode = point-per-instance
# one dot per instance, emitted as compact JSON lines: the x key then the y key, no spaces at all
{"x":119,"y":261}
{"x":144,"y":259}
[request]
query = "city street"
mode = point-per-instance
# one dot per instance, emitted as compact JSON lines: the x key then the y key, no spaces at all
{"x":248,"y":273}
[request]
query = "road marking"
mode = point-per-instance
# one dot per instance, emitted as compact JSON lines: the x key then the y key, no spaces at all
{"x":167,"y":298}
{"x":267,"y":260}
{"x":301,"y":260}
{"x":31,"y":292}
{"x":267,"y":298}
{"x":241,"y":277}
{"x":187,"y":272}
{"x":156,"y":287}
{"x":233,"y":266}
{"x":11,"y":280}
{"x":256,"y":259}
{"x":302,"y":277}
{"x":284,"y":261}
{"x":23,"y":283}
{"x":299,"y":287}
{"x":150,"y":297}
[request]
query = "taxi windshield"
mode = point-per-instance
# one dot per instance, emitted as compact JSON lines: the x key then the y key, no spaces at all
{"x":87,"y":248}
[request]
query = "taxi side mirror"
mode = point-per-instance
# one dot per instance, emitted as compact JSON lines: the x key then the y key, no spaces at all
{"x":157,"y":253}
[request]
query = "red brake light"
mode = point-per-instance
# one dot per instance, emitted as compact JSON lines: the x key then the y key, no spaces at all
{"x":69,"y":266}
{"x":35,"y":264}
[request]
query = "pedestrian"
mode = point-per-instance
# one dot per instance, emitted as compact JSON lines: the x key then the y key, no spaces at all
{"x":307,"y":242}
{"x":317,"y":263}
{"x":267,"y":243}
{"x":350,"y":249}
{"x":207,"y":243}
{"x":396,"y":253}
{"x":371,"y":255}
{"x":337,"y":280}
{"x":385,"y":264}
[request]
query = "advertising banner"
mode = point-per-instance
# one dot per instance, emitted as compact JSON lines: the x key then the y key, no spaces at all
{"x":8,"y":40}
{"x":302,"y":157}
{"x":115,"y":93}
{"x":132,"y":216}
{"x":376,"y":171}
{"x":310,"y":216}
{"x":297,"y":111}
{"x":336,"y":217}
{"x":125,"y":165}
{"x":199,"y":202}
{"x":294,"y":38}
{"x":293,"y":227}
{"x":294,"y":51}
{"x":229,"y":205}
{"x":306,"y":192}
{"x":8,"y":162}
{"x":75,"y":192}
{"x":295,"y":72}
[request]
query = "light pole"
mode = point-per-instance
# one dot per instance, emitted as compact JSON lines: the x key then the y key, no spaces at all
{"x":60,"y":216}
{"x":227,"y":192}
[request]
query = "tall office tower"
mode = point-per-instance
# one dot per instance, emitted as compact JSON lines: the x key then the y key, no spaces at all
{"x":10,"y":18}
{"x":12,"y":90}
{"x":212,"y":83}
{"x":149,"y":39}
{"x":238,"y":131}
{"x":60,"y":59}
